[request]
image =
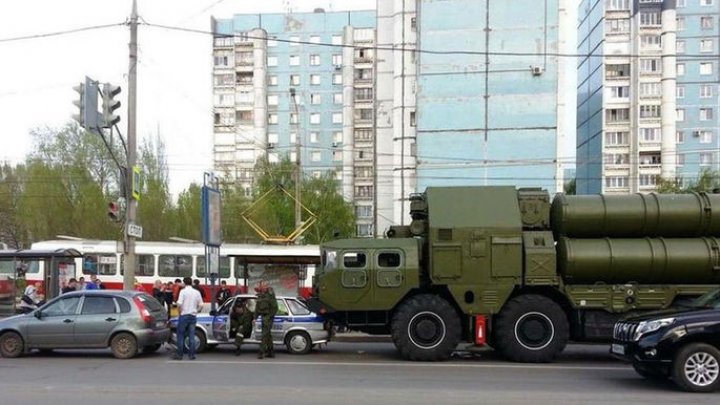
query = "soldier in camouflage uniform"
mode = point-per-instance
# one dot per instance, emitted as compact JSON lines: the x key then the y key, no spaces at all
{"x":241,"y":321}
{"x":266,"y":307}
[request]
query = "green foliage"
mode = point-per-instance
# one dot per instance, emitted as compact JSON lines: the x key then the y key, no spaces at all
{"x":570,"y":187}
{"x":708,"y":181}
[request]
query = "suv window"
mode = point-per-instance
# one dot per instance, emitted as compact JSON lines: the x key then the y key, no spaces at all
{"x":297,"y":308}
{"x":98,"y":305}
{"x":61,"y":307}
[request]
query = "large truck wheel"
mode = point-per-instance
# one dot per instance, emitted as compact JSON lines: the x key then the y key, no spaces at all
{"x":531,"y":329}
{"x":425,"y":328}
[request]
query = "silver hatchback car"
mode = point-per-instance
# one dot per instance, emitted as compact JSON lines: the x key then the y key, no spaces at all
{"x":125,"y":321}
{"x":294,"y":326}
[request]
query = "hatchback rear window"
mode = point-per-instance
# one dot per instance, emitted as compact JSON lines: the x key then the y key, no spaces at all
{"x":124,"y":305}
{"x":151,"y":303}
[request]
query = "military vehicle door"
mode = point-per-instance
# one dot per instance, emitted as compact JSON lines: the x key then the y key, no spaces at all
{"x":388,"y":272}
{"x":221,"y":321}
{"x":355,"y":268}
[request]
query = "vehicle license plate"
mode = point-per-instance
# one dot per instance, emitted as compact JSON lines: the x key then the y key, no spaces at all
{"x":618,"y":349}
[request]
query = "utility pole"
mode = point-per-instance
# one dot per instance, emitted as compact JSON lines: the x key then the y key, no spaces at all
{"x":298,"y":170}
{"x":130,"y":259}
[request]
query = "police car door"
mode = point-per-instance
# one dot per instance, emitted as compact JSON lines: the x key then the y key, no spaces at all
{"x":221,"y":321}
{"x":281,"y":321}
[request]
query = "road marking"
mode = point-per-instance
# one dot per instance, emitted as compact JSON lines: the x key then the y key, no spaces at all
{"x":401,"y":364}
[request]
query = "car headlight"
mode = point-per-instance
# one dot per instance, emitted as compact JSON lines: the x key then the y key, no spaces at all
{"x":646,"y":327}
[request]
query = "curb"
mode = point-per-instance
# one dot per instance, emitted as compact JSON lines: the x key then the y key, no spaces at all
{"x":360,"y":338}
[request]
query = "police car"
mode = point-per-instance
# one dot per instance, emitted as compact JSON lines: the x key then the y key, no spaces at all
{"x":294,"y":326}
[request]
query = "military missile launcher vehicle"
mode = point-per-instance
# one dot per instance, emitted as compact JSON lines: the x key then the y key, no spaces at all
{"x":507,"y":268}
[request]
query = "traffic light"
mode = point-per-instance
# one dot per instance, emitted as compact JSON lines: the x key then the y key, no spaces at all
{"x":109,"y":105}
{"x":87,"y":115}
{"x":114,"y":211}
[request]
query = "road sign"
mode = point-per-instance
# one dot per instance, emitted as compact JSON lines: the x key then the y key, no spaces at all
{"x":135,"y":230}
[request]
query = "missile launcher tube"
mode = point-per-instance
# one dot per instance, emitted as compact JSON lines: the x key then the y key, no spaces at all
{"x":641,"y":260}
{"x":636,"y":215}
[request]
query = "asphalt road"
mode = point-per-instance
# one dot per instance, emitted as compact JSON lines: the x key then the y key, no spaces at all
{"x":341,"y":374}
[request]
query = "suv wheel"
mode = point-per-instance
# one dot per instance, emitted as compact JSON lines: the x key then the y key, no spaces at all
{"x":696,"y":368}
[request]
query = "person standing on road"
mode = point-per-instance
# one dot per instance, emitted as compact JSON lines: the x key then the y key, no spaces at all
{"x":189,"y":304}
{"x":266,"y":306}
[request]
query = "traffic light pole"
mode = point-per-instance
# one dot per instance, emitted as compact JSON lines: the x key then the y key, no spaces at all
{"x":130,"y":218}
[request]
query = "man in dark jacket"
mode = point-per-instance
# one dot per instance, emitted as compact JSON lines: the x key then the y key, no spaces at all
{"x":266,"y":307}
{"x":241,"y":319}
{"x":223,"y":294}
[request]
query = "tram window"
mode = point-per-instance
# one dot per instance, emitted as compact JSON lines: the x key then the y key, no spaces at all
{"x":224,"y":271}
{"x":389,"y":259}
{"x":145,"y":265}
{"x":102,"y":265}
{"x":175,"y":266}
{"x":354,"y":260}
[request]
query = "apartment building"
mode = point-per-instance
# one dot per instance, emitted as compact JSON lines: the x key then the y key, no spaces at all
{"x":625,"y":95}
{"x":300,"y":81}
{"x":698,"y":82}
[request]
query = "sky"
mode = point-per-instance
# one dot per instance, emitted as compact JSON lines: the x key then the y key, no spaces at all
{"x":174,"y":71}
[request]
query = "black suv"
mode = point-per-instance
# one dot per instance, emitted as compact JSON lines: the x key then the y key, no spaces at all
{"x":682,"y":343}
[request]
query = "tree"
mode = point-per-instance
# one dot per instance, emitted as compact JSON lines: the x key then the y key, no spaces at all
{"x":12,"y":230}
{"x":335,"y":217}
{"x":155,"y":208}
{"x":707,"y":181}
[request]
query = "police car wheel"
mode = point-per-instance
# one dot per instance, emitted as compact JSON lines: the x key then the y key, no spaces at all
{"x":200,"y":342}
{"x":298,"y":343}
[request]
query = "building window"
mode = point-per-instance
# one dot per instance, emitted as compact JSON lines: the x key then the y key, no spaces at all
{"x":272,"y":80}
{"x":337,"y":78}
{"x":650,"y":18}
{"x":337,"y":60}
{"x":680,"y":68}
{"x":273,"y":157}
{"x":363,"y":191}
{"x":706,"y":2}
{"x":315,"y":118}
{"x":363,"y":74}
{"x":679,"y":137}
{"x":706,"y":91}
{"x":680,"y":92}
{"x":313,"y":137}
{"x":272,"y":61}
{"x":617,"y":114}
{"x":648,"y":179}
{"x":650,"y":41}
{"x":337,"y":39}
{"x":680,"y":3}
{"x":413,"y":121}
{"x":619,"y":91}
{"x":314,"y":60}
{"x":294,"y":41}
{"x":617,"y":26}
{"x":705,"y":136}
{"x":706,"y":68}
{"x":364,"y":53}
{"x":337,"y":98}
{"x":272,"y":139}
{"x":271,"y":43}
{"x":413,"y":24}
{"x":617,"y":159}
{"x":680,"y":160}
{"x":294,"y":60}
{"x":222,"y":59}
{"x":650,"y":65}
{"x":272,"y":118}
{"x":223,"y":79}
{"x":363,"y":94}
{"x":363,"y":211}
{"x":363,"y":114}
{"x":337,"y":156}
{"x":616,"y":181}
{"x":293,"y":138}
{"x":315,"y":156}
{"x":314,"y":39}
{"x":364,"y":230}
{"x":706,"y":114}
{"x":706,"y":45}
{"x":706,"y":23}
{"x":679,"y":115}
{"x":293,"y":118}
{"x":680,"y":46}
{"x":617,"y":71}
{"x":315,"y":99}
{"x":705,"y":158}
{"x":680,"y":21}
{"x":616,"y":138}
{"x":272,"y":100}
{"x":650,"y":90}
{"x":363,"y":135}
{"x":650,"y":134}
{"x":337,"y":118}
{"x":314,"y":79}
{"x":295,"y":80}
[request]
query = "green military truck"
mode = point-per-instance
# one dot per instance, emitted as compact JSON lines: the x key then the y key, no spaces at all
{"x":504,"y":267}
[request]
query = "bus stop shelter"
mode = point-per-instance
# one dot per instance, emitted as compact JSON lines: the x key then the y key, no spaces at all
{"x":277,"y":269}
{"x":14,"y":264}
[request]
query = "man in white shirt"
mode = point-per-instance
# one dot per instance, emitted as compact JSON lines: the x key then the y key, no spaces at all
{"x":189,"y":303}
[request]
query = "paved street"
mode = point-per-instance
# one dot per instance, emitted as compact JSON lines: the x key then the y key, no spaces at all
{"x":340,"y":373}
